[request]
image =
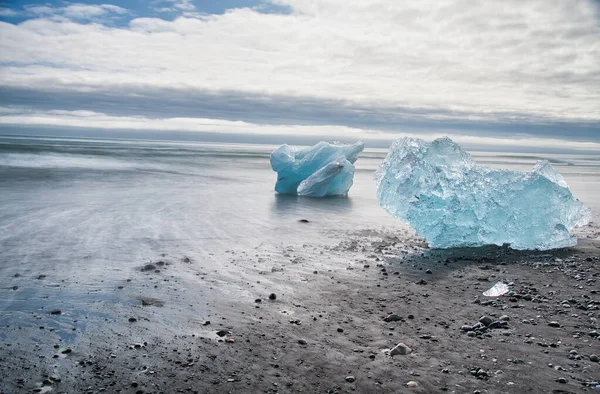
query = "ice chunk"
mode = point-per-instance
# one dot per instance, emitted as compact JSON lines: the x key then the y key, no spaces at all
{"x":317,"y":171}
{"x":452,"y":202}
{"x":497,"y":290}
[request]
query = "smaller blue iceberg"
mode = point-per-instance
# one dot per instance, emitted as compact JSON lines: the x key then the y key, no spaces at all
{"x":452,"y":202}
{"x":321,"y":170}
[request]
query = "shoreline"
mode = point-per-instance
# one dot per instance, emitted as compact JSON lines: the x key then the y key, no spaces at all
{"x":326,"y":331}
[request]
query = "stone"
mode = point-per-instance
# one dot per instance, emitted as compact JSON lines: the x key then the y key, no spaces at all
{"x":392,"y":317}
{"x":400,"y":349}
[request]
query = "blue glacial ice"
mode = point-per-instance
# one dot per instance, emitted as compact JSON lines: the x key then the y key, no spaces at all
{"x":452,"y":202}
{"x":318,"y":171}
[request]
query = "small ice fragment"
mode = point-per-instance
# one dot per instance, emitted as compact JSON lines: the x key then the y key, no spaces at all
{"x":318,"y":171}
{"x":497,"y":290}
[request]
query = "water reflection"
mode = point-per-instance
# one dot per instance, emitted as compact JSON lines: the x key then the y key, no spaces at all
{"x":286,"y":205}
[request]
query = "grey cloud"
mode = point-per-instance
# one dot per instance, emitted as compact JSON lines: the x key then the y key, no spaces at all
{"x":281,"y":110}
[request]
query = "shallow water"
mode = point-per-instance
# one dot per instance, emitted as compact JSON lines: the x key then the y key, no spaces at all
{"x":89,"y":211}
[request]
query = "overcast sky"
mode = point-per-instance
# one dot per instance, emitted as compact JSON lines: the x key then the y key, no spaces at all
{"x":490,"y":73}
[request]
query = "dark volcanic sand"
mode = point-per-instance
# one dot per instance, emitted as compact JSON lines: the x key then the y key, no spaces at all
{"x":325,"y":332}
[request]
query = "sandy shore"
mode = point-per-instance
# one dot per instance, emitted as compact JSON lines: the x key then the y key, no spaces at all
{"x":339,"y":307}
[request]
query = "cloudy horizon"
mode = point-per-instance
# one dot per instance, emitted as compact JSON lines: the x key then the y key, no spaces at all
{"x":515,"y":74}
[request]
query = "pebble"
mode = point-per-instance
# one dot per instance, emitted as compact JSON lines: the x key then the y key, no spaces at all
{"x":302,"y":341}
{"x":15,"y":288}
{"x":554,"y":324}
{"x":486,"y":320}
{"x":132,"y":319}
{"x":504,"y":318}
{"x":340,"y":330}
{"x":498,"y":324}
{"x":272,"y":296}
{"x":222,"y":333}
{"x":401,"y":349}
{"x":594,"y":358}
{"x":561,"y":380}
{"x":392,"y":317}
{"x":412,"y":384}
{"x":56,"y":312}
{"x":350,"y":379}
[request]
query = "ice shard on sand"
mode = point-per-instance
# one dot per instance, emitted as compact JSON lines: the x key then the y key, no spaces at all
{"x":318,"y":171}
{"x":452,"y":202}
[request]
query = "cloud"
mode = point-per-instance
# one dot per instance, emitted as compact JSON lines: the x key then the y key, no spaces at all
{"x":167,"y":102}
{"x":184,"y":8}
{"x":95,"y":120}
{"x":185,"y":5}
{"x":434,"y":61}
{"x":84,"y":11}
{"x":7,"y":12}
{"x":75,"y":11}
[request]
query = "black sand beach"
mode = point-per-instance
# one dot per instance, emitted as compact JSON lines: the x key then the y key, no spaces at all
{"x":337,"y":309}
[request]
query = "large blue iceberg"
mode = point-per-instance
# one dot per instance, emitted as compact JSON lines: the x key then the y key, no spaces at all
{"x":452,"y":202}
{"x":318,"y":171}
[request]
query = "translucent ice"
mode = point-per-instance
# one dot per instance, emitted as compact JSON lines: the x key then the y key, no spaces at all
{"x":452,"y":202}
{"x":317,"y":171}
{"x":497,"y":290}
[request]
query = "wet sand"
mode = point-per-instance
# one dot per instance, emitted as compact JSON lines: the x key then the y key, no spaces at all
{"x":339,"y":306}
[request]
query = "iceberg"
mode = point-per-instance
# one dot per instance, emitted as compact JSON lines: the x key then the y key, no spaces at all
{"x":452,"y":202}
{"x":318,"y":171}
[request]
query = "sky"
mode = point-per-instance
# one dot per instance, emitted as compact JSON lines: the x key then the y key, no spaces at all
{"x":496,"y":75}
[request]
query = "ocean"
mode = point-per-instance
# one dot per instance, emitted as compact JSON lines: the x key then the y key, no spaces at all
{"x":90,"y":210}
